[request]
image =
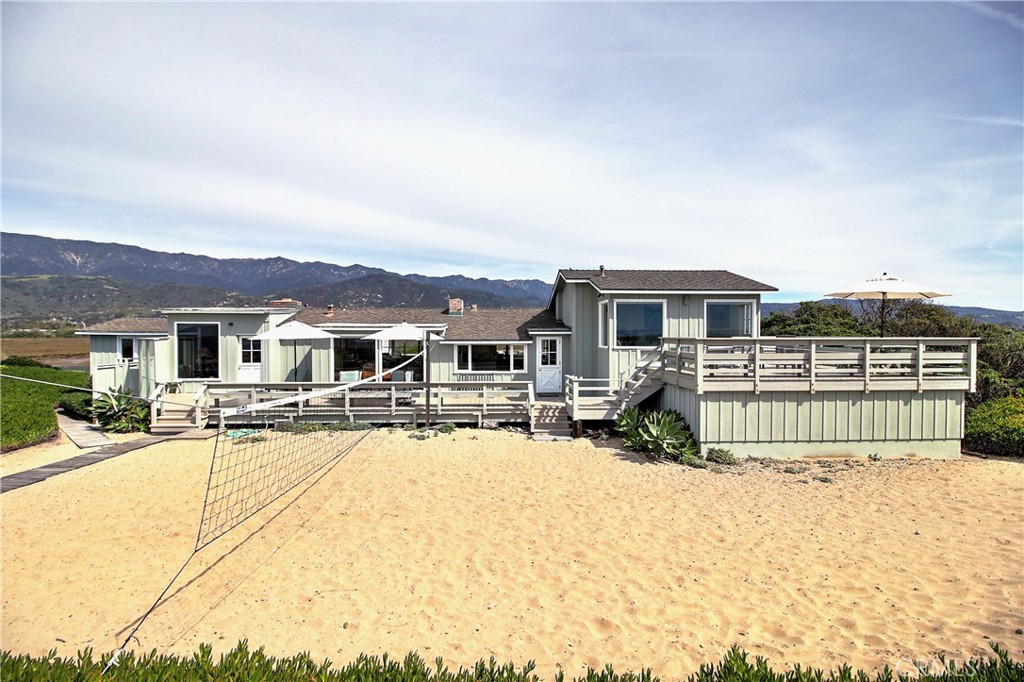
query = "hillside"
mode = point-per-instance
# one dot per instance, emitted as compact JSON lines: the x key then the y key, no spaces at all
{"x":25,"y":255}
{"x":77,"y":300}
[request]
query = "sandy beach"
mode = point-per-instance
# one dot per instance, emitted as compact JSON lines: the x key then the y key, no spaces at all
{"x":481,"y":543}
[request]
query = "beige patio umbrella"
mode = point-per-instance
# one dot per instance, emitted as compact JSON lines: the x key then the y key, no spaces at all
{"x":408,"y":332}
{"x":884,"y":288}
{"x":294,"y":331}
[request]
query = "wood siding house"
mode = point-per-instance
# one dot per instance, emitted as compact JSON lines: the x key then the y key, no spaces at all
{"x":607,"y":339}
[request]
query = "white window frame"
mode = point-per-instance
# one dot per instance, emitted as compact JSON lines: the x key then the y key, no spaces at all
{"x":755,"y":328}
{"x":524,"y":370}
{"x":602,"y":324}
{"x":242,"y":350}
{"x":614,"y":331}
{"x":135,"y":349}
{"x":220,"y":353}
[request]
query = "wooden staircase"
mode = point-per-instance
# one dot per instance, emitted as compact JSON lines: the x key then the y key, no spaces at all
{"x":176,"y":413}
{"x":642,"y":384}
{"x":550,"y":421}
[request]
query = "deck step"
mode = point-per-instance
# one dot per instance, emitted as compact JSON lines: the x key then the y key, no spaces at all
{"x":551,"y":422}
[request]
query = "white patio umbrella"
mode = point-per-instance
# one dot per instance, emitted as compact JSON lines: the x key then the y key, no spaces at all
{"x":884,"y":288}
{"x":294,"y":331}
{"x":408,"y":332}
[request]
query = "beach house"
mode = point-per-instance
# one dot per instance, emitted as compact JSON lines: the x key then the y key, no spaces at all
{"x":688,"y":340}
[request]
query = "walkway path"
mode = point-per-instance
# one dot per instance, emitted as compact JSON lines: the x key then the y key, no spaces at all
{"x":82,"y":433}
{"x":24,"y":478}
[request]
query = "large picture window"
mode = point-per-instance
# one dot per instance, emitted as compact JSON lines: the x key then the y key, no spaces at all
{"x":198,"y":351}
{"x":729,"y":318}
{"x":490,"y":358}
{"x":639,"y":324}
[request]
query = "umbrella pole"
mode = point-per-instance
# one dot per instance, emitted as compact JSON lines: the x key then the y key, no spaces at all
{"x":882,"y":331}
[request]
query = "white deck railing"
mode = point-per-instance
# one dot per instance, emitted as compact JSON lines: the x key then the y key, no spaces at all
{"x":820,"y":363}
{"x":385,"y":401}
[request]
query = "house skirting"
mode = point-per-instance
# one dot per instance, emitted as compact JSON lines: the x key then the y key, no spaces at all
{"x":791,"y":424}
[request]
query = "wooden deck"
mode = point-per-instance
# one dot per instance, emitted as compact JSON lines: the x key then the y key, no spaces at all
{"x":815,"y":364}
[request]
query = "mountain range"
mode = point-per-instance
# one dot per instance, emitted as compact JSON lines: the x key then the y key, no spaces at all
{"x":78,"y":281}
{"x":84,"y":281}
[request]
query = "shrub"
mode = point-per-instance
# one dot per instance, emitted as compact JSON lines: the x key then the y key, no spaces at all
{"x":19,"y":361}
{"x":243,"y":664}
{"x":121,"y":412}
{"x":313,"y":427}
{"x":997,"y":427}
{"x":721,"y":456}
{"x":76,"y":404}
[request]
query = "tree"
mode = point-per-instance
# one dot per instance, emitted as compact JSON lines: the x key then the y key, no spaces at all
{"x":813,"y":318}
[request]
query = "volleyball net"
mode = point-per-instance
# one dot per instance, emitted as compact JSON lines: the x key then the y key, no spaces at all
{"x":262,"y":460}
{"x":252,"y":467}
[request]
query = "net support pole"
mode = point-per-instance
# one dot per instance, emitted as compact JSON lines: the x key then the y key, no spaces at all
{"x":426,"y":372}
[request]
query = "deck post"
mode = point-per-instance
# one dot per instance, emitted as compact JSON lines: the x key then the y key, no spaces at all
{"x":757,"y":366}
{"x":920,"y":366}
{"x":867,"y":365}
{"x":698,"y":348}
{"x":972,"y":362}
{"x":813,"y":359}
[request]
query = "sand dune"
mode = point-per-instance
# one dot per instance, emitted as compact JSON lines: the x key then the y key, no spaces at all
{"x":482,"y":544}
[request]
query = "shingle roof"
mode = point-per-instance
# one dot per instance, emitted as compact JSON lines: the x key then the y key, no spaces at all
{"x":494,"y":324}
{"x":667,"y":280}
{"x":130,"y":325}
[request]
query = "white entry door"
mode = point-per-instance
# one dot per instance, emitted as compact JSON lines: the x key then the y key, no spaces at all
{"x":549,"y":364}
{"x":250,"y":367}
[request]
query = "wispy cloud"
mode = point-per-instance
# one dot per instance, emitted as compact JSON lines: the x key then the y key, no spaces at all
{"x":990,"y":11}
{"x":510,"y":140}
{"x":988,"y":120}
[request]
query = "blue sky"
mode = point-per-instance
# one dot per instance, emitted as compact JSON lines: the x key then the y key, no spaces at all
{"x":805,"y":145}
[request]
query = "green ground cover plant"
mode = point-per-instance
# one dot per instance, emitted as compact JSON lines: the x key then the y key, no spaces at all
{"x":243,"y":665}
{"x":26,"y":409}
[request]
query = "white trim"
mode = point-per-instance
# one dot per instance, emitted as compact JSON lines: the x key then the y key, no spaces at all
{"x":602,"y":324}
{"x":484,"y":342}
{"x":524,"y":370}
{"x":155,"y":335}
{"x":755,"y":316}
{"x":560,"y":366}
{"x":548,"y":332}
{"x":220,"y":362}
{"x":135,"y":349}
{"x":613,"y":338}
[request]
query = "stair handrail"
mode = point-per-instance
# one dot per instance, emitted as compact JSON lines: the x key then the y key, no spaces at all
{"x":640,"y":370}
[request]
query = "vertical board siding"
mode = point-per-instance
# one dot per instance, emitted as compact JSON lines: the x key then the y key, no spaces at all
{"x":684,"y":402}
{"x":738,"y":417}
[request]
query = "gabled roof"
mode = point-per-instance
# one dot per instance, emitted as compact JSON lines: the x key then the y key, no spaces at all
{"x":128,"y":326}
{"x":682,"y":281}
{"x":494,"y":324}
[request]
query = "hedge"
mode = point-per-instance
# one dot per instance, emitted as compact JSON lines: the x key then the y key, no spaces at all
{"x":243,"y":665}
{"x":26,"y":409}
{"x":996,"y":427}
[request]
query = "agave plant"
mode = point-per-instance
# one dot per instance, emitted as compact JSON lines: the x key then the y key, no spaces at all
{"x":121,"y":412}
{"x":629,"y":424}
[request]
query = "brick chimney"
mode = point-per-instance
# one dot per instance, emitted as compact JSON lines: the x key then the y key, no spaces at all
{"x":455,"y":307}
{"x":473,"y":308}
{"x":601,"y":267}
{"x":330,"y":310}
